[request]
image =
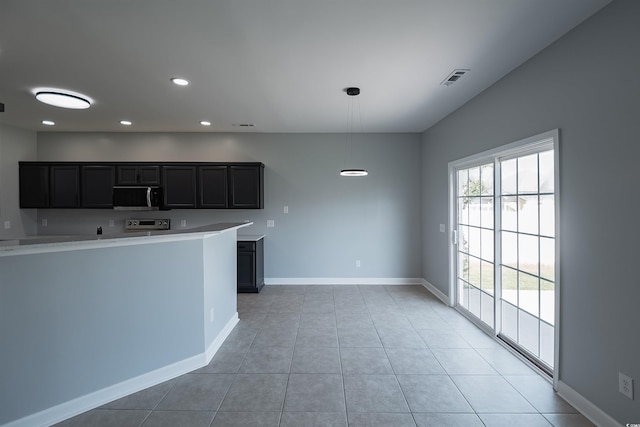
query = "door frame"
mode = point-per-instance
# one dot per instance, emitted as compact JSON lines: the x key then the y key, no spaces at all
{"x":514,"y":149}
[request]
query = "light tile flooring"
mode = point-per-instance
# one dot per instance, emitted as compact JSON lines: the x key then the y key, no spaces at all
{"x":348,"y":355}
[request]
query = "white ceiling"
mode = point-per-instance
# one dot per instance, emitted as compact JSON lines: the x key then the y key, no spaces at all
{"x":280,"y":64}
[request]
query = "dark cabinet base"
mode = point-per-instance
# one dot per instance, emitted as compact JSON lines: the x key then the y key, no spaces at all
{"x":250,"y":265}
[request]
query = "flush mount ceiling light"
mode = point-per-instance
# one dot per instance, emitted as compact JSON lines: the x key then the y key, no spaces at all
{"x":48,"y":122}
{"x":63,"y":98}
{"x":205,"y":123}
{"x":352,"y":92}
{"x":126,"y":122}
{"x":180,"y":81}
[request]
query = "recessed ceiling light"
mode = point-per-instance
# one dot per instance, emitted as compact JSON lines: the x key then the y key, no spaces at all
{"x":180,"y":81}
{"x":125,"y":122}
{"x":205,"y":123}
{"x":48,"y":122}
{"x":63,"y":98}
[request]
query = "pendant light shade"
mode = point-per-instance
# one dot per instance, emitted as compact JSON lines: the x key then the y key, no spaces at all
{"x":350,"y":172}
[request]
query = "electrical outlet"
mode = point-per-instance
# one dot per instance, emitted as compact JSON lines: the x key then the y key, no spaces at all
{"x":442,"y":228}
{"x":183,"y":223}
{"x":271,"y":223}
{"x":7,"y":225}
{"x":625,"y":385}
{"x":286,"y":209}
{"x":44,"y":222}
{"x":357,"y":263}
{"x":111,"y":223}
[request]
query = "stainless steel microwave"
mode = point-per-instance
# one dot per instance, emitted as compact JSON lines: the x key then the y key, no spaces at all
{"x":137,"y":198}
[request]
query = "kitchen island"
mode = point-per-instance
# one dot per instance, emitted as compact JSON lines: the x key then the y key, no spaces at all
{"x":88,"y":319}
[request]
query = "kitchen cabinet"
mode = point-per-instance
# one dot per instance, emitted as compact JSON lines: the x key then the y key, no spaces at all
{"x":64,"y":186}
{"x":246,"y":184}
{"x":34,"y":185}
{"x":138,"y":174}
{"x":96,"y":185}
{"x":213,"y":187}
{"x":250,"y":264}
{"x":179,"y":186}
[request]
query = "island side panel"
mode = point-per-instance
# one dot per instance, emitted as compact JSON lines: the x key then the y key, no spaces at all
{"x":220,"y":289}
{"x":75,"y":322}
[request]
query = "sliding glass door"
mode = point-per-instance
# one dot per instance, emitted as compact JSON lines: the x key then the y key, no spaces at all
{"x":504,"y":244}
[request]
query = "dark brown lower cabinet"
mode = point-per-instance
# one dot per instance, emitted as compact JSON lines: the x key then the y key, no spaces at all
{"x":250,"y":264}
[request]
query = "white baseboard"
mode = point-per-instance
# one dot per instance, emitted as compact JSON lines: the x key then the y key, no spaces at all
{"x":585,"y":407}
{"x":437,"y":292}
{"x":100,"y":397}
{"x":217,"y":342}
{"x":342,"y":281}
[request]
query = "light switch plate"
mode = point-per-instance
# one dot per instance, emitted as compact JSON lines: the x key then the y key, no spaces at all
{"x":442,"y":228}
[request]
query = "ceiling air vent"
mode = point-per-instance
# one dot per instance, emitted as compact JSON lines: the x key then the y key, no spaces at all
{"x":454,"y":77}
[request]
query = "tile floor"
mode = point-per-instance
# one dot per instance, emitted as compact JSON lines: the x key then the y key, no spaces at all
{"x":347,"y":355}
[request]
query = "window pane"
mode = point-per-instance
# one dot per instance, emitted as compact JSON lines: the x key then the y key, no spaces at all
{"x":463,"y":178}
{"x":463,"y":294}
{"x":474,"y":182}
{"x":474,"y":301}
{"x":547,"y":258}
{"x":528,"y":174}
{"x":510,"y":285}
{"x":547,"y":301}
{"x":508,"y":178}
{"x":546,"y":343}
{"x":474,"y":211}
{"x":486,"y":176}
{"x":486,"y":251}
{"x":528,"y":332}
{"x":528,"y":293}
{"x":509,"y":213}
{"x":546,"y":172}
{"x":528,"y":253}
{"x":463,"y":266}
{"x":463,"y":244}
{"x":474,"y":271}
{"x":486,"y":276}
{"x":474,"y":241}
{"x":510,"y":249}
{"x":547,"y":216}
{"x":510,"y":321}
{"x":528,"y":214}
{"x":463,"y":211}
{"x":486,"y":212}
{"x":487,"y":309}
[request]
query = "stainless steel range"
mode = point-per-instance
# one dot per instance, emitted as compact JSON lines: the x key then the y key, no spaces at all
{"x":147,"y":224}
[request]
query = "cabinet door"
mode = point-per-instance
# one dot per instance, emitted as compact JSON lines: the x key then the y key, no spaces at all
{"x":138,"y":175}
{"x":149,"y":175}
{"x":97,"y":186}
{"x":212,"y":187}
{"x":179,"y":185}
{"x":246,"y":187}
{"x":246,"y":271}
{"x":65,"y":186}
{"x":127,"y":175}
{"x":34,"y":186}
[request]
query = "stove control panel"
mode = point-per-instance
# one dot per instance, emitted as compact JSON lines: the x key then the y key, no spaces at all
{"x":147,"y":224}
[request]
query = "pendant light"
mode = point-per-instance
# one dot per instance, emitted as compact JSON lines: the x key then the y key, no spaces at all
{"x":352,"y":92}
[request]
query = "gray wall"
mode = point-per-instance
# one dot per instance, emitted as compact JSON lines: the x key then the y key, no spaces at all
{"x":332,"y":220}
{"x":585,"y":85}
{"x":15,"y":145}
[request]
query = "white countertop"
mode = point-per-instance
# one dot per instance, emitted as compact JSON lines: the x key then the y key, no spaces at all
{"x":42,"y":242}
{"x":250,"y":237}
